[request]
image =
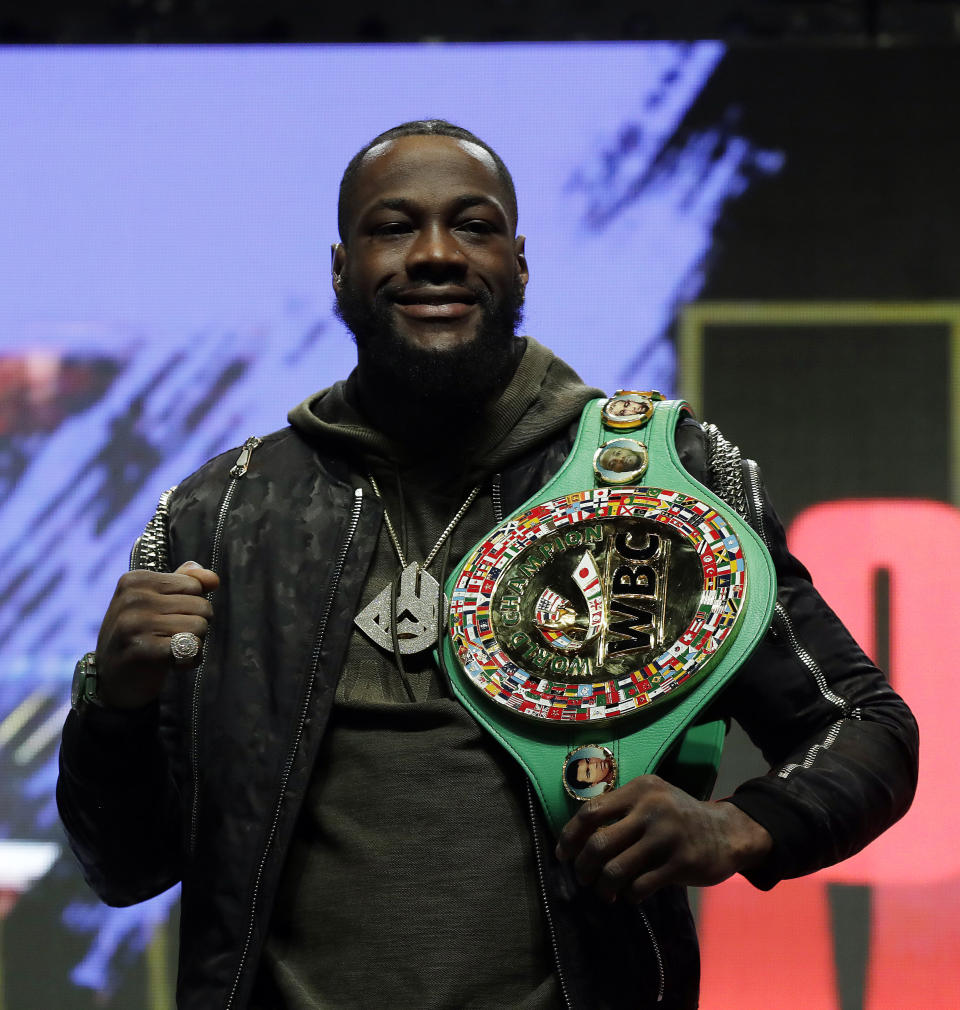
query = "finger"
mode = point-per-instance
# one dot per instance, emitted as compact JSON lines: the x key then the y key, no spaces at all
{"x":606,"y":844}
{"x":593,"y":814}
{"x":645,"y":884}
{"x":168,"y":626}
{"x":137,"y":600}
{"x":138,"y":643}
{"x":190,"y":582}
{"x":188,"y":606}
{"x":648,"y":860}
{"x":157,"y":649}
{"x":208,"y":580}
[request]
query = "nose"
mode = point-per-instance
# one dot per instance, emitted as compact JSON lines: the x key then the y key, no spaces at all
{"x":435,"y":252}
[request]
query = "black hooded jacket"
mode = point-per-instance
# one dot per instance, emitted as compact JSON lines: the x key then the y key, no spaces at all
{"x":206,"y":786}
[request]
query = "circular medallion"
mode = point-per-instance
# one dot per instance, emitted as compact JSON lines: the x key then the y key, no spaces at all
{"x":627,"y":410}
{"x":589,"y":771}
{"x":620,"y":461}
{"x":598,"y":604}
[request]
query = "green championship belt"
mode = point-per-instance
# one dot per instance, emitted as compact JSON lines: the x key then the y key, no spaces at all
{"x":592,"y":627}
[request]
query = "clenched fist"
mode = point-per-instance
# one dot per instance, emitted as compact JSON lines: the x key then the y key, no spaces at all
{"x":147,"y":609}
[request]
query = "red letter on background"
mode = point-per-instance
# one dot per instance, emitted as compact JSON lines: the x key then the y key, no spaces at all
{"x":914,"y":869}
{"x":844,"y":544}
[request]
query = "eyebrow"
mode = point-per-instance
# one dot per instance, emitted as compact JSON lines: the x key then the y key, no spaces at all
{"x":460,"y":203}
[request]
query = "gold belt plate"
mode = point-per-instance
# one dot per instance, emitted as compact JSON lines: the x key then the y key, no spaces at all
{"x":598,"y":604}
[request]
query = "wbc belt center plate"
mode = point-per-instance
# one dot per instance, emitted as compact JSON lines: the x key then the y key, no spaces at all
{"x":598,"y":604}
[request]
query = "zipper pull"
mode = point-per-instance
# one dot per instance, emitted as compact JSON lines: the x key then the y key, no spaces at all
{"x":243,"y":460}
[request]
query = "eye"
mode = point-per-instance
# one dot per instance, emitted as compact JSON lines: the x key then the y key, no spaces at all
{"x":390,"y":228}
{"x":478,"y":226}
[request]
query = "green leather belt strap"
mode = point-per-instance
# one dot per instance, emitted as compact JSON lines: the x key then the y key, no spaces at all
{"x":533,"y":690}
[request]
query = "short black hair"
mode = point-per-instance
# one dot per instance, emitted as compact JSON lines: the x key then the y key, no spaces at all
{"x":419,"y":128}
{"x":570,"y":774}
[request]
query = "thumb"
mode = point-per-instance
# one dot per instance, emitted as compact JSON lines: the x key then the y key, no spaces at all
{"x":208,"y":579}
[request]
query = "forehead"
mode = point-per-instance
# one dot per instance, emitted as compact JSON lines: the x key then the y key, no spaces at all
{"x":427,"y":168}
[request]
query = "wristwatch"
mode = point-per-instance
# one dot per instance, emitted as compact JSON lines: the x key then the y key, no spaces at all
{"x":84,"y":689}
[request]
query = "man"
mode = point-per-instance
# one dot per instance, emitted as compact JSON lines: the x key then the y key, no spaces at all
{"x":589,"y":771}
{"x":279,"y":772}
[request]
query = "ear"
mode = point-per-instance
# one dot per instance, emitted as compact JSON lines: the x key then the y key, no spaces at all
{"x":519,"y":243}
{"x":338,"y":260}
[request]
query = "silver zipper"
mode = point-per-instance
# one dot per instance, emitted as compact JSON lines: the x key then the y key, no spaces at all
{"x":832,"y":733}
{"x":656,"y":950}
{"x":783,"y":619}
{"x":237,"y":471}
{"x":243,"y":460}
{"x":723,"y":466}
{"x":756,"y":501}
{"x":496,"y":499}
{"x":782,"y":623}
{"x":151,"y":549}
{"x":549,"y":917}
{"x":543,"y":897}
{"x":781,"y":616}
{"x":304,"y":709}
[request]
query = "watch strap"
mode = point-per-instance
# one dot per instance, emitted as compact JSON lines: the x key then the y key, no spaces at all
{"x":85,"y":683}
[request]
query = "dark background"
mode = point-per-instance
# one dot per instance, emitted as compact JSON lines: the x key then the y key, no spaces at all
{"x":753,"y":22}
{"x":864,"y":210}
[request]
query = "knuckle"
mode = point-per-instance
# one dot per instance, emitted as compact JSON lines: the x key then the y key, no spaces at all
{"x":134,"y":598}
{"x":135,"y":646}
{"x":591,"y":810}
{"x":136,"y":579}
{"x":685,"y":858}
{"x":612,"y":875}
{"x":127,"y":625}
{"x":184,"y":583}
{"x":568,"y":836}
{"x":598,"y":843}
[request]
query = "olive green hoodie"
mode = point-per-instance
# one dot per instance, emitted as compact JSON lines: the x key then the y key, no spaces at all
{"x":411,"y":879}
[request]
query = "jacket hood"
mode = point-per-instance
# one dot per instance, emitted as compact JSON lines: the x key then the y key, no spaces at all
{"x":544,"y":397}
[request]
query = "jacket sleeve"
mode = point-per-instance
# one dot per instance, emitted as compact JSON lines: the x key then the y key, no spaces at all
{"x":117,"y":789}
{"x":841,"y":744}
{"x":119,"y":804}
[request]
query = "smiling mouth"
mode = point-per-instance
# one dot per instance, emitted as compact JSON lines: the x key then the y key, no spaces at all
{"x":441,"y":303}
{"x":440,"y":310}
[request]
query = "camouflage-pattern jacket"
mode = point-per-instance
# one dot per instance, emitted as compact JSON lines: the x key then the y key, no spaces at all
{"x":206,"y":786}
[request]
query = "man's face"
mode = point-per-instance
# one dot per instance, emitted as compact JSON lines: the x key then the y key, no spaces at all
{"x":620,"y":460}
{"x":625,"y":408}
{"x":430,"y":261}
{"x":590,"y":771}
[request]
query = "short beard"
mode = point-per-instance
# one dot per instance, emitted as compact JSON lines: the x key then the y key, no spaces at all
{"x":420,"y":383}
